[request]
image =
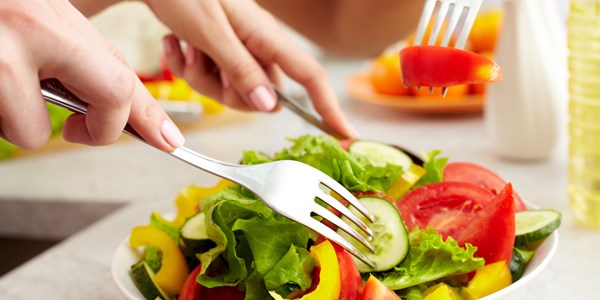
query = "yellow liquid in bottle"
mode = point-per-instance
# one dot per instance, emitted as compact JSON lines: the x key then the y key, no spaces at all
{"x":584,"y":111}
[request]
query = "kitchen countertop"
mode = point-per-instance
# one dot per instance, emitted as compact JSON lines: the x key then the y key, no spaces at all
{"x":142,"y":180}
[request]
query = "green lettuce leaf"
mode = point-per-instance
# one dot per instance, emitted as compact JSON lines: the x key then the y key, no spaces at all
{"x":429,"y":259}
{"x":434,"y":169}
{"x":255,"y":247}
{"x":354,"y":171}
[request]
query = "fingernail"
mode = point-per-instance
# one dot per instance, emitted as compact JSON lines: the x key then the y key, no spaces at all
{"x":168,"y":46}
{"x":352,"y":131}
{"x":171,"y":134}
{"x":262,"y":99}
{"x":190,"y":55}
{"x":224,"y":79}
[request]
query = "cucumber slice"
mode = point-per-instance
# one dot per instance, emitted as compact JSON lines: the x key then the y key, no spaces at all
{"x":194,"y":236}
{"x":390,"y":235}
{"x":380,"y":154}
{"x":518,"y":263}
{"x":143,"y":279}
{"x":535,"y":225}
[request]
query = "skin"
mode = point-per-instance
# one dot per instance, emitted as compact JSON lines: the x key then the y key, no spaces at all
{"x":50,"y":38}
{"x":235,"y":50}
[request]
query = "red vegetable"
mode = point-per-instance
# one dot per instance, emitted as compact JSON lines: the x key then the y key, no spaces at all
{"x":443,"y":66}
{"x":375,"y":290}
{"x":481,"y":176}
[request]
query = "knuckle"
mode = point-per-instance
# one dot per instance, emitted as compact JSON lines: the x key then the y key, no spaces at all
{"x":242,"y":71}
{"x":122,"y":89}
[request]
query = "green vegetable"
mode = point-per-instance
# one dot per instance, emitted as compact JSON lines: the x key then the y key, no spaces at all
{"x":518,"y":263}
{"x":434,"y":169}
{"x":380,"y":154}
{"x":430,"y":258}
{"x":261,"y":250}
{"x":193,"y":234}
{"x":153,"y":258}
{"x":390,"y":235}
{"x":171,"y":231}
{"x":353,"y":171}
{"x":143,"y":278}
{"x":7,"y":149}
{"x":535,"y":225}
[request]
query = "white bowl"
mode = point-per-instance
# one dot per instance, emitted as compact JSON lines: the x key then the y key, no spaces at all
{"x":125,"y":257}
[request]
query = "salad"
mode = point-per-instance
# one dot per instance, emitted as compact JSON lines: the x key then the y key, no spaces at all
{"x":442,"y":230}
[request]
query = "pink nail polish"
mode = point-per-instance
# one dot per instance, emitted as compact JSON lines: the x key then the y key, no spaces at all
{"x":224,"y":79}
{"x":171,"y":134}
{"x":190,"y":55}
{"x":262,"y":99}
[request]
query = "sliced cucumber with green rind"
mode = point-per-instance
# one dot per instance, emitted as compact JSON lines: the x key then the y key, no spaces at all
{"x":193,"y":234}
{"x":380,"y":154}
{"x":143,"y":278}
{"x":518,"y":263}
{"x":390,"y":235}
{"x":535,"y":225}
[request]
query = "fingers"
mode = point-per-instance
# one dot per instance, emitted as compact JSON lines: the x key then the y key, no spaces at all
{"x":94,"y":71}
{"x":295,"y":62}
{"x":24,"y":119}
{"x":214,"y":38}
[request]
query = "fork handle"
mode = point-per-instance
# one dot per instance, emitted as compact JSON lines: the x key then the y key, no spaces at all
{"x":56,"y":93}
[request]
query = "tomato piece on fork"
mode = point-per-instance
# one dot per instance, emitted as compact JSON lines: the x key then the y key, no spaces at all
{"x":436,"y":66}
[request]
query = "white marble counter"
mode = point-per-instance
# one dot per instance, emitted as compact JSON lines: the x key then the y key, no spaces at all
{"x":129,"y":172}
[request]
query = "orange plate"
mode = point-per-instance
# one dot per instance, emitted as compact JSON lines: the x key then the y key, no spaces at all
{"x":360,"y":88}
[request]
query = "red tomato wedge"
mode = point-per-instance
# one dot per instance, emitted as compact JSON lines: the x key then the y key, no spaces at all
{"x":352,"y":284}
{"x":481,"y":176}
{"x":437,"y":66}
{"x":466,"y":212}
{"x":375,"y":290}
{"x":492,"y":230}
{"x":191,"y":288}
{"x":446,"y":206}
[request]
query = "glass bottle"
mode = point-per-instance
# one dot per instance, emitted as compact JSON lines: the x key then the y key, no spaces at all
{"x":583,"y":25}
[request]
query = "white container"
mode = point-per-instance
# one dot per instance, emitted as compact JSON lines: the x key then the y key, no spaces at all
{"x":520,"y":113}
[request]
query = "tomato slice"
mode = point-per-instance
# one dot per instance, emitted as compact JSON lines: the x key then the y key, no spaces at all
{"x":446,"y":206}
{"x":492,"y":230}
{"x":222,"y":293}
{"x":350,"y":278}
{"x":191,"y":288}
{"x":375,"y":290}
{"x":481,"y":176}
{"x":444,"y":66}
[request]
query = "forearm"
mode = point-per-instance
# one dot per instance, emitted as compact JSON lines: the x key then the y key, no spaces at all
{"x":349,"y":27}
{"x":92,"y":7}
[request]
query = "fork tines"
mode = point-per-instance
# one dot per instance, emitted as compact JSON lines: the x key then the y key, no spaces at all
{"x":458,"y":15}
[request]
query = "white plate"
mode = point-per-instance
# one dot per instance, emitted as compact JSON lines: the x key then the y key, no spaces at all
{"x":125,"y":257}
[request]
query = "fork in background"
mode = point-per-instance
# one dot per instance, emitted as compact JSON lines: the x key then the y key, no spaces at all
{"x":459,"y":14}
{"x":288,"y":187}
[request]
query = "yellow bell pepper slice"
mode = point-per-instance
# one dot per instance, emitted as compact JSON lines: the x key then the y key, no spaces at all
{"x":187,"y":201}
{"x":173,"y":271}
{"x":403,"y":184}
{"x":489,"y":279}
{"x":329,"y":276}
{"x":441,"y":291}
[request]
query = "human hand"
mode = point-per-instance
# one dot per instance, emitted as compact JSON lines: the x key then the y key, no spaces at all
{"x":235,"y":49}
{"x":51,"y":39}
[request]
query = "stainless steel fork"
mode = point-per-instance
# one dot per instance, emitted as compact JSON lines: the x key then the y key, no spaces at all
{"x":288,"y":187}
{"x":453,"y":13}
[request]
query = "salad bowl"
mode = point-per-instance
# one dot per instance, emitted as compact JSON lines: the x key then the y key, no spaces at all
{"x":425,"y":193}
{"x":125,"y":256}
